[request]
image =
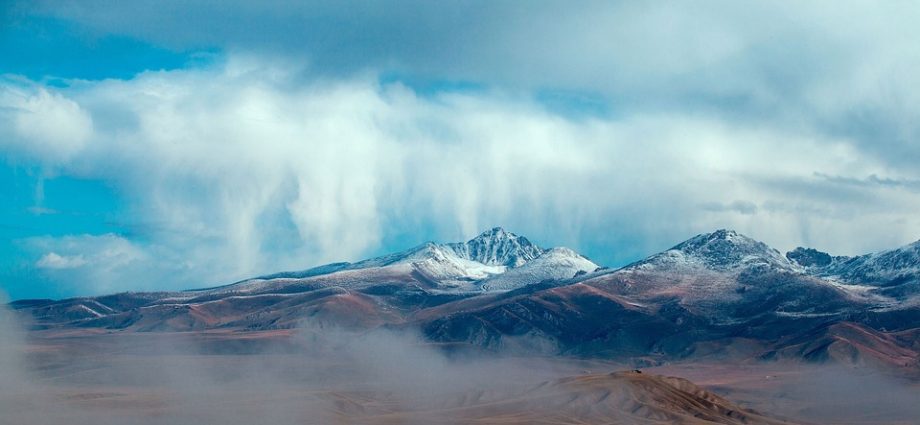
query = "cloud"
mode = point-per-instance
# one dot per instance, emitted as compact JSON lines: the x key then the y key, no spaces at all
{"x":40,"y":123}
{"x":245,"y":167}
{"x":872,"y":180}
{"x":812,"y":67}
{"x":95,"y":264}
{"x":741,"y":207}
{"x":52,"y":260}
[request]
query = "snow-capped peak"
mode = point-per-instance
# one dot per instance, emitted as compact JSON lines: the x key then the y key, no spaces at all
{"x":497,"y":247}
{"x":464,"y":265}
{"x":720,"y":250}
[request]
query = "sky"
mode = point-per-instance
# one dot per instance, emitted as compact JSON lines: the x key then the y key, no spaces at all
{"x":162,"y":145}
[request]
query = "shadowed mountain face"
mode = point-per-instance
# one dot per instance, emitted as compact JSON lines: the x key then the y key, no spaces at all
{"x":715,"y":295}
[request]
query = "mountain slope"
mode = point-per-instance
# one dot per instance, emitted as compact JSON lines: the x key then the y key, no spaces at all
{"x":384,"y":289}
{"x":713,"y":290}
{"x":452,"y":266}
{"x":896,"y":272}
{"x":722,"y":250}
{"x":727,"y":276}
{"x":554,"y":264}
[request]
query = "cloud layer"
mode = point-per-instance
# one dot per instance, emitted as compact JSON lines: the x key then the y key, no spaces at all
{"x":814,"y":66}
{"x":243,"y":168}
{"x":332,"y":131}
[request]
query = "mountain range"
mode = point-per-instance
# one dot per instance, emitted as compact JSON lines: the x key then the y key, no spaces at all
{"x":716,"y":295}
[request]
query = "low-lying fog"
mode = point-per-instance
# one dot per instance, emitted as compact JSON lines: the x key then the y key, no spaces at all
{"x":322,"y":374}
{"x":161,"y":378}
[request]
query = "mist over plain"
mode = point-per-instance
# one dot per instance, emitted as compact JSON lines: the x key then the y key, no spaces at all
{"x":175,"y":378}
{"x":323,"y":373}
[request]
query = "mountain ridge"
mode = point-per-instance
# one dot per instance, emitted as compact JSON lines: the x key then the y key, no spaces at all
{"x":488,"y":255}
{"x":896,"y":272}
{"x":721,"y":250}
{"x":713,"y":293}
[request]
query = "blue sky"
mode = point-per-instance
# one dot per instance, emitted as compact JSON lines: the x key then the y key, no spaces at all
{"x":152,"y":145}
{"x":53,"y":51}
{"x":44,"y":47}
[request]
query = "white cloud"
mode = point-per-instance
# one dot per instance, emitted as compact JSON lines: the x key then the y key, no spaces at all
{"x":94,"y":264}
{"x":246,"y":168}
{"x":53,"y":260}
{"x":41,"y":124}
{"x":803,"y":64}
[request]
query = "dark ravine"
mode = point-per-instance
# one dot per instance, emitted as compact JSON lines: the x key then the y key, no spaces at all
{"x":715,"y":295}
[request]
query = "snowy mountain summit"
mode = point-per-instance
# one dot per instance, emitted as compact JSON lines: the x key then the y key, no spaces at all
{"x":721,"y":250}
{"x":897,"y":270}
{"x":497,"y":247}
{"x":495,"y":260}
